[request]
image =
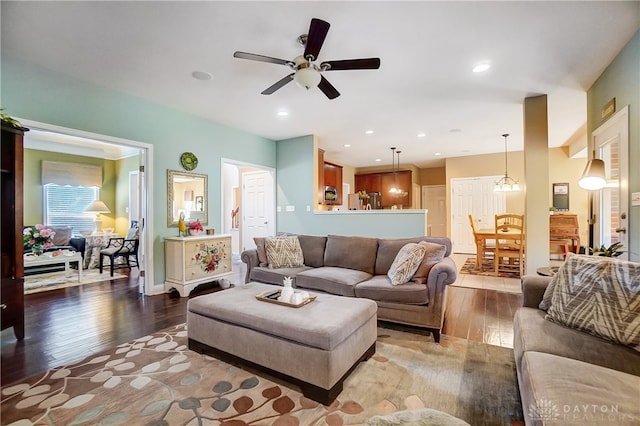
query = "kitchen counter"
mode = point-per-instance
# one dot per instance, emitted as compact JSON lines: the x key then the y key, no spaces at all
{"x":367,"y":212}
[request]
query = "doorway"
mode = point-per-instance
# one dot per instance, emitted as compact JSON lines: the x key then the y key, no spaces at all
{"x":144,"y":152}
{"x":248,"y":203}
{"x":611,"y":203}
{"x":434,"y":200}
{"x":474,"y":196}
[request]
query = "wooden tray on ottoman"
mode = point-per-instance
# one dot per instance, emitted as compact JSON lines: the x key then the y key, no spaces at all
{"x":262,"y":297}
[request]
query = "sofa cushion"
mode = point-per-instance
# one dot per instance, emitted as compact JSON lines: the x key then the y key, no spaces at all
{"x":262,"y":252}
{"x":284,"y":252}
{"x":563,"y":391}
{"x":406,"y":263}
{"x":599,"y":295}
{"x":313,"y":249}
{"x":265,"y":274}
{"x":339,"y":281}
{"x":433,"y":254}
{"x":379,"y":288}
{"x":351,"y":252}
{"x":533,"y":333}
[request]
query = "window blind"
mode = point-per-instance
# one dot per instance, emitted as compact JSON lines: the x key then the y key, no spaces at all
{"x":65,"y":206}
{"x":74,"y":174}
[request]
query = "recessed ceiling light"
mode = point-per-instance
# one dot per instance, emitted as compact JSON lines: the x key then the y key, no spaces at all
{"x":347,"y":145}
{"x":422,"y":134}
{"x":378,"y":160}
{"x":482,"y":67}
{"x":455,"y":131}
{"x":437,"y":154}
{"x":201,"y":75}
{"x":283,"y":114}
{"x":369,"y":132}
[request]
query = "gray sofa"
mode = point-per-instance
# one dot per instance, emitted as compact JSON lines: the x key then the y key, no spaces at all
{"x":357,"y":267}
{"x":567,"y":376}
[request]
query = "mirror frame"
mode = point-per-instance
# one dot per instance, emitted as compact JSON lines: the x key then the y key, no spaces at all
{"x":171,"y":174}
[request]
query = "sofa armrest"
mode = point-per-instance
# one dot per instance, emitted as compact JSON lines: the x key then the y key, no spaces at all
{"x":533,"y":287}
{"x":250,"y":258}
{"x":444,"y":271}
{"x":79,"y":244}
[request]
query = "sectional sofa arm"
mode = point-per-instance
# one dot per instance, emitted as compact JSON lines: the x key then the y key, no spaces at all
{"x":533,"y":287}
{"x":444,"y":271}
{"x":250,"y":258}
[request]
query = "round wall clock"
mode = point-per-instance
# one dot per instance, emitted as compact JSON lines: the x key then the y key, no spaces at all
{"x":189,"y":161}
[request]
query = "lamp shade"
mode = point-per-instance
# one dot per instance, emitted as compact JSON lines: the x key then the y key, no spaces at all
{"x":98,"y":206}
{"x":594,"y":177}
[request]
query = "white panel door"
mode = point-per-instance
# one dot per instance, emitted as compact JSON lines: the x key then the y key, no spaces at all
{"x":258,"y":206}
{"x":611,"y":141}
{"x":434,"y":199}
{"x":473,"y":196}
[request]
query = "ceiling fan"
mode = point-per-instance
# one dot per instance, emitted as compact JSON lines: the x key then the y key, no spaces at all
{"x":306,"y":73}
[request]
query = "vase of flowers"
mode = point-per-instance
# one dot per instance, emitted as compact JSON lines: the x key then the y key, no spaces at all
{"x":195,"y":228}
{"x":37,"y":238}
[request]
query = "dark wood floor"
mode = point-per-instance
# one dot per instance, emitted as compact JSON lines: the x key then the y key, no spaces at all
{"x":63,"y":326}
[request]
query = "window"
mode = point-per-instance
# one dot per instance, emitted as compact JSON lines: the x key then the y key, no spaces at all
{"x":65,"y":205}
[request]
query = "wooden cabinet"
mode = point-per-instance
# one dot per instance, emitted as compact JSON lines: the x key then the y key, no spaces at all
{"x":382,"y":182}
{"x":12,"y":261}
{"x":190,"y":261}
{"x":333,"y":177}
{"x":565,"y":227}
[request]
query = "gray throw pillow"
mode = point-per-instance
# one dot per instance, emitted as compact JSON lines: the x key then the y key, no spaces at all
{"x":433,"y":254}
{"x":262,"y":253}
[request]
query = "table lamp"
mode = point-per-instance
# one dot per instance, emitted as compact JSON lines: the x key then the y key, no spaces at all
{"x":98,"y":207}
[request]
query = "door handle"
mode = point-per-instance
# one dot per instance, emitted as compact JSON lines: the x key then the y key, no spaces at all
{"x":621,"y":230}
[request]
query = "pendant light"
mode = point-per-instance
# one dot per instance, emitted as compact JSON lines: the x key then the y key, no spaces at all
{"x":399,"y":191}
{"x":393,"y":189}
{"x":594,"y":176}
{"x":506,"y":183}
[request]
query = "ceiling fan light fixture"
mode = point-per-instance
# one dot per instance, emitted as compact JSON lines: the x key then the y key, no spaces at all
{"x":307,"y":77}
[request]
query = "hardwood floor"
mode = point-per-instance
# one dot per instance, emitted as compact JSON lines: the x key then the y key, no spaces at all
{"x":63,"y":326}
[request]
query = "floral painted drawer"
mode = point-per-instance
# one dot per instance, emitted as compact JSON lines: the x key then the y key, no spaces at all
{"x":190,"y":261}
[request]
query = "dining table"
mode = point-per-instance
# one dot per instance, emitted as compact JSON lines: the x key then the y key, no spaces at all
{"x":485,"y":235}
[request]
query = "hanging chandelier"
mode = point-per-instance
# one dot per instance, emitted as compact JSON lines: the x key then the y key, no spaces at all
{"x":395,"y":190}
{"x":506,"y":183}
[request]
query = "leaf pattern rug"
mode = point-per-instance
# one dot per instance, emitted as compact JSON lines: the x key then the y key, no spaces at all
{"x":156,"y":380}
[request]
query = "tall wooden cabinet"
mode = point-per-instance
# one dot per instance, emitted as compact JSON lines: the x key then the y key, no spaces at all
{"x":12,"y":248}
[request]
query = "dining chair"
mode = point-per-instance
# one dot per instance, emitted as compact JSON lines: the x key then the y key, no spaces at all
{"x":509,"y":255}
{"x":484,"y":246}
{"x":126,"y":248}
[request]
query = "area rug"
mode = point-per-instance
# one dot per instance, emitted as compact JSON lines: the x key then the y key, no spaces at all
{"x":64,"y":279}
{"x":469,"y":267}
{"x":156,"y":380}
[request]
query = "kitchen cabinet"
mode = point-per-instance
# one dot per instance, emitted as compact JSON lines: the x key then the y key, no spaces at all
{"x":190,"y":261}
{"x":333,"y":177}
{"x":382,"y":182}
{"x":11,"y":244}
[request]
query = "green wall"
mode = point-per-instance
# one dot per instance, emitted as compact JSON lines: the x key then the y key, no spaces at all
{"x":621,"y":80}
{"x":33,"y":197}
{"x":34,"y":93}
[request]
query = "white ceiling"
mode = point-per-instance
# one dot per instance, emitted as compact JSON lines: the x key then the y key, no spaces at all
{"x":425,"y":84}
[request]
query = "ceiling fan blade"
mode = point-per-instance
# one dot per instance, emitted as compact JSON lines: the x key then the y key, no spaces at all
{"x":352,"y":64}
{"x":327,"y":88}
{"x":269,"y":90}
{"x":262,"y":58}
{"x":317,"y":33}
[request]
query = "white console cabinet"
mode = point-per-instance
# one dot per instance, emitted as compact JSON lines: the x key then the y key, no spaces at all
{"x":190,"y":261}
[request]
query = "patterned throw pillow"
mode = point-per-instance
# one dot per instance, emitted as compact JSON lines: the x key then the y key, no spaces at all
{"x":284,"y":252}
{"x":406,"y":263}
{"x":600,"y":296}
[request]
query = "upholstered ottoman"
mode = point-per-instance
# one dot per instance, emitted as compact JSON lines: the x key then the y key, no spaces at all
{"x":315,"y":346}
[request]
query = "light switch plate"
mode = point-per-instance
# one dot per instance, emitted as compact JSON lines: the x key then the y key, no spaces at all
{"x":291,"y":208}
{"x":279,"y":209}
{"x":635,"y":198}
